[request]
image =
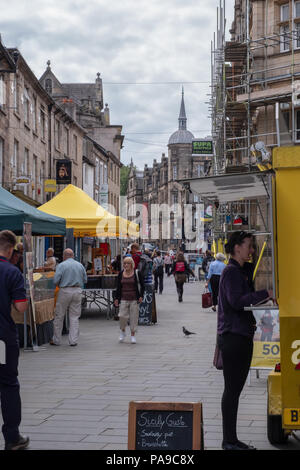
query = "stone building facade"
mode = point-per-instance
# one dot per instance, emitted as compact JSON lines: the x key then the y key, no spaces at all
{"x":84,"y":102}
{"x":158,"y":189}
{"x":35,"y":133}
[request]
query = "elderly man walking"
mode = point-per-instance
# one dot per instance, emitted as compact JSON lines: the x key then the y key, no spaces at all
{"x":70,"y":277}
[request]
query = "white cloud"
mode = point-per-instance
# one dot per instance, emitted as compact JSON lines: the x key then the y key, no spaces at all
{"x":126,"y":41}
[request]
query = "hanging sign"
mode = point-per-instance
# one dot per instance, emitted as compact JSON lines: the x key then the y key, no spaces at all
{"x":50,"y":186}
{"x":63,"y":172}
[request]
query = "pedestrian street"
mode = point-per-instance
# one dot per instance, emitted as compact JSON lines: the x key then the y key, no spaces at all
{"x":77,"y":398}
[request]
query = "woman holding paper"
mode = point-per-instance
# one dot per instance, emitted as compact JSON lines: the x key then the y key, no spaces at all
{"x":236,"y":329}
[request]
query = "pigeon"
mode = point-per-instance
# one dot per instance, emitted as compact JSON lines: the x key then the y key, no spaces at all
{"x":187,"y":332}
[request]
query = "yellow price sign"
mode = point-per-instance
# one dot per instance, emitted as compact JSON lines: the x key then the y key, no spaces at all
{"x":265,"y":354}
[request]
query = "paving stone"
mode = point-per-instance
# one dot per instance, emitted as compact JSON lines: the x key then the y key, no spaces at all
{"x":78,"y":398}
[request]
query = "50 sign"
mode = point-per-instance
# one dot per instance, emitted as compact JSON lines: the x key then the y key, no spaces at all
{"x":272,"y":349}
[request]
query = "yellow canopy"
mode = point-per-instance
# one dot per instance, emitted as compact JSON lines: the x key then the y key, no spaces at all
{"x":86,"y":217}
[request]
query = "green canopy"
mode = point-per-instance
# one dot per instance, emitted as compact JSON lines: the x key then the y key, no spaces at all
{"x":14,"y":212}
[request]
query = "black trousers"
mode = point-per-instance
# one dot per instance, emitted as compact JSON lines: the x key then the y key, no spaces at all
{"x":214,"y":283}
{"x":237,"y":353}
{"x":159,"y":280}
{"x":179,"y":287}
{"x":168,"y":269}
{"x":10,"y":395}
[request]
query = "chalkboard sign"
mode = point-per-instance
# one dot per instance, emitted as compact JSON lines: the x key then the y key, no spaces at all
{"x":147,"y":307}
{"x":165,"y":426}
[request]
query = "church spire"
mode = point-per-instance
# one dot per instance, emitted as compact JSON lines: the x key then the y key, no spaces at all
{"x":182,"y":116}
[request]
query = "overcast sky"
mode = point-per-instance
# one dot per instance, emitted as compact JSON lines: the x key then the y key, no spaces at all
{"x":145,"y":51}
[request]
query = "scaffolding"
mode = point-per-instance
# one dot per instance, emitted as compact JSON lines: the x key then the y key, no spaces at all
{"x":255,"y":105}
{"x":255,"y":84}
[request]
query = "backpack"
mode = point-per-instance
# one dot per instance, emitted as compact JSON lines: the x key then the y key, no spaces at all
{"x":159,"y":267}
{"x":145,"y":265}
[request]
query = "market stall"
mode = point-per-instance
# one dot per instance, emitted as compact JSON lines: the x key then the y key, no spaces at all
{"x":89,"y":219}
{"x":14,"y":215}
{"x":86,"y":217}
{"x":14,"y":212}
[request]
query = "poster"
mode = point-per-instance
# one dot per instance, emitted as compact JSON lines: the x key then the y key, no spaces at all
{"x":266,"y":351}
{"x":63,"y":172}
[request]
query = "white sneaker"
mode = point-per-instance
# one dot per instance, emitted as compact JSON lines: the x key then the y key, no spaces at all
{"x":122,"y":336}
{"x":133,"y":340}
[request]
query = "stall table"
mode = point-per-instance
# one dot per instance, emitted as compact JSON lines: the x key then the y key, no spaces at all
{"x":99,"y":291}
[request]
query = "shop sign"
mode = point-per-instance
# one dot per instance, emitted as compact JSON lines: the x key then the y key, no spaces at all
{"x":203,"y":147}
{"x":22,"y":180}
{"x":50,"y":186}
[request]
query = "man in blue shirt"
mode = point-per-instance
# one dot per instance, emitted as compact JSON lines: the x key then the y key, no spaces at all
{"x":70,"y":277}
{"x":12,"y":291}
{"x":213,"y":277}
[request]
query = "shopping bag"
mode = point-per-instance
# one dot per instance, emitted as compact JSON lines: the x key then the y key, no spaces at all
{"x":206,"y":300}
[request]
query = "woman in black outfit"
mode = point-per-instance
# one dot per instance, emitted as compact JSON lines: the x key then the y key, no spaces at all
{"x":236,"y":329}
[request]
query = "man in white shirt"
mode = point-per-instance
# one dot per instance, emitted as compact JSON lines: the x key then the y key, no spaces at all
{"x":70,"y":277}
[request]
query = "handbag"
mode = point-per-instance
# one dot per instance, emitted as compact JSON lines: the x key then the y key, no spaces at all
{"x":218,"y":361}
{"x":180,"y":277}
{"x":206,"y":299}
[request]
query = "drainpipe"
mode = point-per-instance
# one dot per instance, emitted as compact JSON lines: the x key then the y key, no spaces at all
{"x":277,"y":112}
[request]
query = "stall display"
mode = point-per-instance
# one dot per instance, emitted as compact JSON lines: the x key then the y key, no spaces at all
{"x":23,"y":219}
{"x":99,"y":292}
{"x":43,"y":295}
{"x":14,"y":212}
{"x":101,"y":258}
